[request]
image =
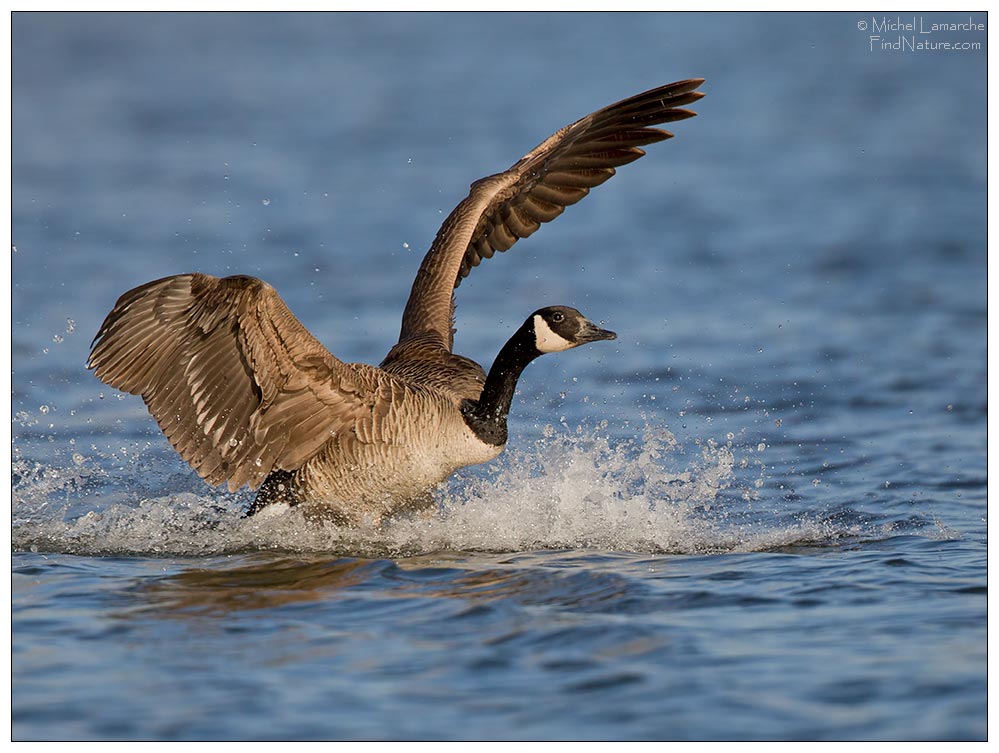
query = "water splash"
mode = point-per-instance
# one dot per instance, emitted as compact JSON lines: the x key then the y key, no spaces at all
{"x":570,"y":489}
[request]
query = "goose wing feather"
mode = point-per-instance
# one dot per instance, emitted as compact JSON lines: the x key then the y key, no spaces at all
{"x":505,"y":207}
{"x":238,"y":385}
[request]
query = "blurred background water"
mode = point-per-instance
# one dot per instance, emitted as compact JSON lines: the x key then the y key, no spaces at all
{"x":759,"y":514}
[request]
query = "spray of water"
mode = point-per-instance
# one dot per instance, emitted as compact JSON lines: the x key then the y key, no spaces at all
{"x":573,"y":488}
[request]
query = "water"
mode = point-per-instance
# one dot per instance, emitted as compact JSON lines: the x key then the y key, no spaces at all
{"x":759,"y":514}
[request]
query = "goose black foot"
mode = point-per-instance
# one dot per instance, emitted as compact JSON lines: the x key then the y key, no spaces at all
{"x":278,"y":488}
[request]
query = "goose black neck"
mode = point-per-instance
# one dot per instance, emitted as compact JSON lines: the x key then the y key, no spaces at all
{"x":487,"y":415}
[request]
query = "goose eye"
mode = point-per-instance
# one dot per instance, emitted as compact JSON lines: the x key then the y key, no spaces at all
{"x":557,"y":316}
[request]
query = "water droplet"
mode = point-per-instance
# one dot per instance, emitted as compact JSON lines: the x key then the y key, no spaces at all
{"x":266,"y":202}
{"x":761,"y":446}
{"x":43,"y":409}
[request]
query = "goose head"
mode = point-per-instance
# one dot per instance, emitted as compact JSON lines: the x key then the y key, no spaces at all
{"x":557,"y":328}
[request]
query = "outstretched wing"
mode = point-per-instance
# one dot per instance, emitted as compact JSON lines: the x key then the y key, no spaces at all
{"x":237,"y":384}
{"x":505,"y":207}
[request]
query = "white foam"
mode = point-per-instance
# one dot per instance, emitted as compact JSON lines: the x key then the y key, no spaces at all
{"x":570,"y":489}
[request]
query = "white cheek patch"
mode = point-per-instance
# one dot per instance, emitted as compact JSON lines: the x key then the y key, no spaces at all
{"x":547,"y":340}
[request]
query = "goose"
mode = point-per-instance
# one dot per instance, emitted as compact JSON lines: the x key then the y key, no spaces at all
{"x":248,"y":397}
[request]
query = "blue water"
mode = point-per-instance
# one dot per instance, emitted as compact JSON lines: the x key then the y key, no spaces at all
{"x":759,"y":514}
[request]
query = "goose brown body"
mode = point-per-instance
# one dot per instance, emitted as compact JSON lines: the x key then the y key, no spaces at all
{"x":247,"y":396}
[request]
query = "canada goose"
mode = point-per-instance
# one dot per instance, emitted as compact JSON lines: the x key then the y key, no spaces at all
{"x":247,"y":395}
